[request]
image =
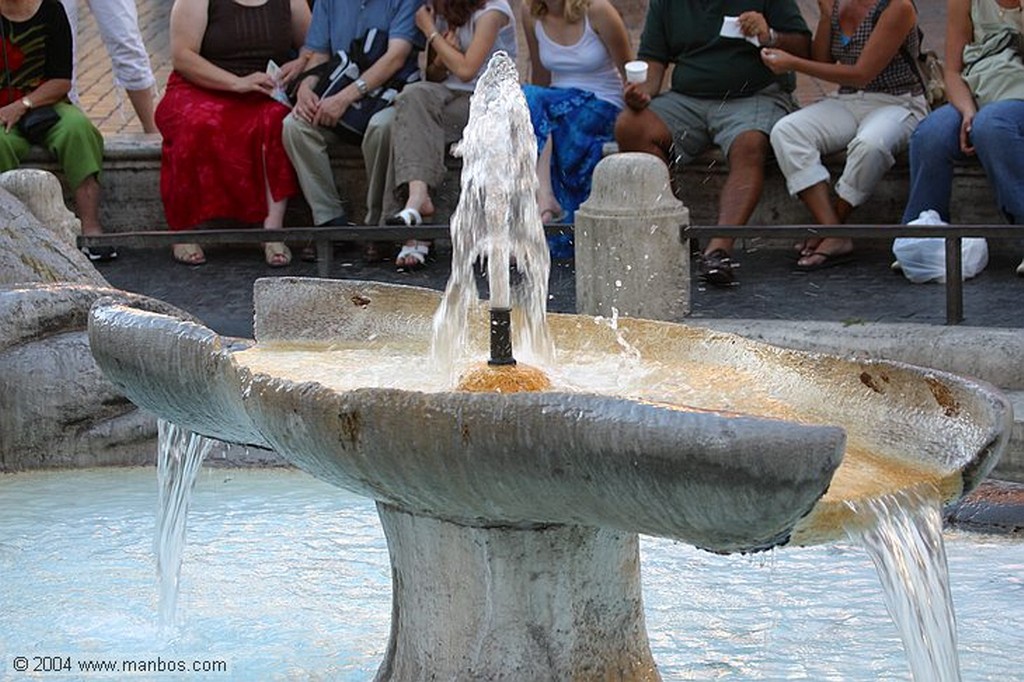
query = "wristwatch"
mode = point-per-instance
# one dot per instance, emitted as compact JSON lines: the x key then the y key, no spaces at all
{"x":362,"y":87}
{"x":26,"y":102}
{"x":773,"y":38}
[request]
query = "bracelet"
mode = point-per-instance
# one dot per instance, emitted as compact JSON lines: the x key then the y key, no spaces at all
{"x":431,"y":38}
{"x":773,"y":37}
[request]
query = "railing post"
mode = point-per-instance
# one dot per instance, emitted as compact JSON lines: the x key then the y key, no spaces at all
{"x":954,"y":281}
{"x":629,"y":257}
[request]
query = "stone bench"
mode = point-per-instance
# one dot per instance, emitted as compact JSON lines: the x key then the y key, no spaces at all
{"x":131,"y":186}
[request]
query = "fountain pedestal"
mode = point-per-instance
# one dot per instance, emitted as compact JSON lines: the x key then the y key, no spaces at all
{"x":554,"y":603}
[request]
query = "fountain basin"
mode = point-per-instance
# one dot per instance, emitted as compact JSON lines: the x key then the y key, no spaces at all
{"x":764,"y":415}
{"x":493,"y":505}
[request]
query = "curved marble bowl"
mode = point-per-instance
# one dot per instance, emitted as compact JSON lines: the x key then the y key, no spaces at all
{"x":739,"y":461}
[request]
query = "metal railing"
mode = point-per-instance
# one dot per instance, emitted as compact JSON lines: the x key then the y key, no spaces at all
{"x":952,"y":234}
{"x":322,"y":238}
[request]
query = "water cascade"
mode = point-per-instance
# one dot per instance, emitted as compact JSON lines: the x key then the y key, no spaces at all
{"x":512,"y":517}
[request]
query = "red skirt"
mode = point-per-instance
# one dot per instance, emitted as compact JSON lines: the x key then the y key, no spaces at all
{"x":220,"y":152}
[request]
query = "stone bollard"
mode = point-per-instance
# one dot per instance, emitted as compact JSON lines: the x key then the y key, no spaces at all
{"x":629,"y":255}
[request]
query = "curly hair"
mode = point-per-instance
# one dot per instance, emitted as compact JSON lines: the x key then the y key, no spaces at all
{"x":574,"y":9}
{"x":457,"y":12}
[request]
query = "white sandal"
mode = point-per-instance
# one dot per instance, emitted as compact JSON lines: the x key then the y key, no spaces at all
{"x":407,"y":216}
{"x":417,"y":252}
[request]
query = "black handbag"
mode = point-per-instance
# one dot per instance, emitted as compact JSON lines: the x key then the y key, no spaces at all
{"x":36,"y":122}
{"x":343,"y":68}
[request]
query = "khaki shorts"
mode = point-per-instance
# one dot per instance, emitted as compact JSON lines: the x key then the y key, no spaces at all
{"x":697,"y":123}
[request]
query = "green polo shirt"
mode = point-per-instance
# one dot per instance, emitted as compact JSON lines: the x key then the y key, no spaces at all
{"x":685,"y":33}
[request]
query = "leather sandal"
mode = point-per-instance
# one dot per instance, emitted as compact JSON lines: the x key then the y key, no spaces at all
{"x":716,"y":268}
{"x":188,"y":254}
{"x":277,"y":254}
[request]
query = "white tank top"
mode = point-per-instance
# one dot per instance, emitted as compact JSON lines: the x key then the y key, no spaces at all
{"x":587,"y":65}
{"x":506,"y":40}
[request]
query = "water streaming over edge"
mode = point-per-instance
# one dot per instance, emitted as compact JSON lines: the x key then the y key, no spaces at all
{"x":902,"y":534}
{"x":180,"y":455}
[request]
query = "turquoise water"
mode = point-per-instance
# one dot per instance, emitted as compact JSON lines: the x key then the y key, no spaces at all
{"x":287,"y":578}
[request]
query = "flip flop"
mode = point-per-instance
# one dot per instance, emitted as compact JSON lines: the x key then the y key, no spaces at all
{"x":407,"y":216}
{"x":828,"y":260}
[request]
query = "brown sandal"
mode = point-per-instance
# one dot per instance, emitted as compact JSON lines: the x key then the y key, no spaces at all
{"x":188,"y":254}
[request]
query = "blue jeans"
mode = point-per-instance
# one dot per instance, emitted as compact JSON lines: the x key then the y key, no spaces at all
{"x":998,"y":136}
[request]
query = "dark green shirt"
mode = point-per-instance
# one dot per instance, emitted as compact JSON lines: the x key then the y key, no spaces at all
{"x":685,"y":33}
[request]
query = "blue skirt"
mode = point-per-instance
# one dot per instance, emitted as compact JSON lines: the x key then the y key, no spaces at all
{"x":579,"y":124}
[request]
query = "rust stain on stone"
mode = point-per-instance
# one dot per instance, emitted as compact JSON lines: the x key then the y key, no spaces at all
{"x":464,"y":431}
{"x":944,"y":397}
{"x":873,"y":382}
{"x":351,"y":426}
{"x":360,"y":301}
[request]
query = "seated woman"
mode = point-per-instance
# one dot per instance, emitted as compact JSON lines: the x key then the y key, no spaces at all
{"x":37,"y":72}
{"x":430,"y":115}
{"x":867,"y":49}
{"x":221,"y":127}
{"x":578,"y":50}
{"x":985,"y":87}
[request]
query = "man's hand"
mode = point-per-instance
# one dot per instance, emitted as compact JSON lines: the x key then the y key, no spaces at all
{"x":331,"y":109}
{"x":754,"y":24}
{"x":306,"y":102}
{"x":636,"y":96}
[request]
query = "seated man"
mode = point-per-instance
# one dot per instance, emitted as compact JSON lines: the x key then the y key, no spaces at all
{"x":721,"y":93}
{"x":37,"y":66}
{"x":311,"y":127}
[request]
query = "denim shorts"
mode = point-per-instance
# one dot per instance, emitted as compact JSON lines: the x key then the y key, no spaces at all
{"x":697,"y":122}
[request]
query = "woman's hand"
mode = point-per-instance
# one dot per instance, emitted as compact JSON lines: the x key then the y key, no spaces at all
{"x":11,"y":114}
{"x":425,"y":20}
{"x":257,"y":81}
{"x":777,"y":61}
{"x":966,"y":146}
{"x":290,"y":70}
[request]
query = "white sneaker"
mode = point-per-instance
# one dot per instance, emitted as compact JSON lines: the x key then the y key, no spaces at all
{"x":896,"y":267}
{"x":1020,"y":269}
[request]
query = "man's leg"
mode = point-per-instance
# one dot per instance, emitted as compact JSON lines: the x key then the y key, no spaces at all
{"x":376,"y":155}
{"x":643,"y":131}
{"x":306,"y":146}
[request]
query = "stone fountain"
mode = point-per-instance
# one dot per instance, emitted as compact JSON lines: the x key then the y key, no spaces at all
{"x":512,"y":517}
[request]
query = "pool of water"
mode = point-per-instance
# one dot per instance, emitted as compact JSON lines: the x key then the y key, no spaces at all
{"x":287,"y":578}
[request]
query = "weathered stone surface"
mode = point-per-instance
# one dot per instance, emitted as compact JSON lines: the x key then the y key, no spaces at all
{"x":56,"y":407}
{"x":37,"y":232}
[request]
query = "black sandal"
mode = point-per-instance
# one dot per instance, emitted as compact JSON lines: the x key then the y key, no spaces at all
{"x":716,"y":268}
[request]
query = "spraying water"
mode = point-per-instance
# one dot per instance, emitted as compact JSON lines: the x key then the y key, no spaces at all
{"x":180,"y":455}
{"x":496,"y":221}
{"x":902,"y":533}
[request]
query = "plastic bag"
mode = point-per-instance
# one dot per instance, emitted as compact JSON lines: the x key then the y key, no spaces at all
{"x":923,"y":259}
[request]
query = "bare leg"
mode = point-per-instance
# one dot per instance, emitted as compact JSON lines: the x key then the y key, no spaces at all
{"x":277,"y":254}
{"x":546,"y":201}
{"x":825,"y":213}
{"x":87,"y":201}
{"x":643,"y":131}
{"x":419,"y":199}
{"x":143,"y":101}
{"x":743,"y":185}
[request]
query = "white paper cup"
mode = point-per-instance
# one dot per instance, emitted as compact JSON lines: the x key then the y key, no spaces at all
{"x":636,"y":72}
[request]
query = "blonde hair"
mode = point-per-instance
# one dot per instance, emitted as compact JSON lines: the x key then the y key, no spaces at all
{"x":574,"y":9}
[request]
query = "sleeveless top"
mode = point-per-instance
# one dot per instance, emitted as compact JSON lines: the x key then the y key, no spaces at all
{"x":988,"y":17}
{"x":587,"y":65}
{"x":241,"y":39}
{"x":506,"y":40}
{"x":899,"y":76}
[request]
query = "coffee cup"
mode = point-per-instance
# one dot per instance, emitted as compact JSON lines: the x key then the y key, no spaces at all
{"x":636,"y":72}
